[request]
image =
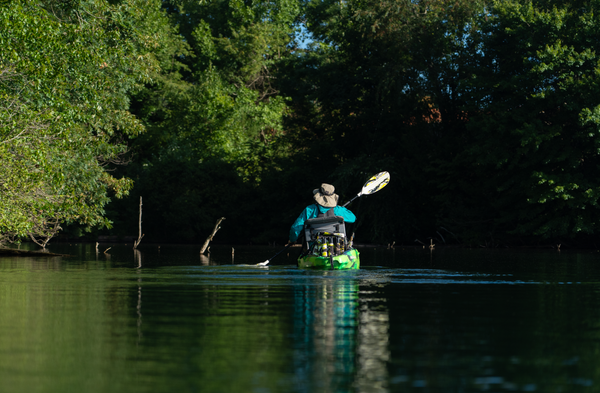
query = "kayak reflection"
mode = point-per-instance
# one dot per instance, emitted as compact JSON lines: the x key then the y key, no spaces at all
{"x":340,"y":340}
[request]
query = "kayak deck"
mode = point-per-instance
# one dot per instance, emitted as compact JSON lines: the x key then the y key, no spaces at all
{"x":345,"y":261}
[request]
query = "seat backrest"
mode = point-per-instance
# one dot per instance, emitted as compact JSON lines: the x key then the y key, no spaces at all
{"x":331,"y":225}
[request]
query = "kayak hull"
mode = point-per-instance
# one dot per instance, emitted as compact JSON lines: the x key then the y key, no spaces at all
{"x":349,"y":260}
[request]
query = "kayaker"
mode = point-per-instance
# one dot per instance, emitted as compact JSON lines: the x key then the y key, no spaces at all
{"x":326,"y":206}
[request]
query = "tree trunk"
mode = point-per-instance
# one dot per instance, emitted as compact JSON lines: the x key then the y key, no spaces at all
{"x":208,"y":239}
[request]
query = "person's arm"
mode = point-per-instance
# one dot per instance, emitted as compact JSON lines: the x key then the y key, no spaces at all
{"x":298,"y":225}
{"x":346,"y":214}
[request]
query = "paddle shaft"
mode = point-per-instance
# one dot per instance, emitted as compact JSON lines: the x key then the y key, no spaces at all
{"x":280,"y":251}
{"x":347,"y":203}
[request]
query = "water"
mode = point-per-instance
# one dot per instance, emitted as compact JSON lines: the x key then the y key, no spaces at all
{"x":167,"y":320}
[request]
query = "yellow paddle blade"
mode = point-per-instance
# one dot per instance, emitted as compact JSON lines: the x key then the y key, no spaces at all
{"x":372,"y":185}
{"x":376,"y":183}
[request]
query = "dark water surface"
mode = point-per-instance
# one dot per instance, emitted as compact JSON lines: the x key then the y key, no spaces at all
{"x":167,"y":320}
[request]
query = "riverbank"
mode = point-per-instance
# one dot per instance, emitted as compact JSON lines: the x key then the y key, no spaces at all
{"x":28,"y":253}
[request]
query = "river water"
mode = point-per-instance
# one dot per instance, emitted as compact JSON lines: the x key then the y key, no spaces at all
{"x":168,"y":320}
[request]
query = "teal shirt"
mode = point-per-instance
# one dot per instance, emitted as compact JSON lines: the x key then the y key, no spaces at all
{"x":312,"y":211}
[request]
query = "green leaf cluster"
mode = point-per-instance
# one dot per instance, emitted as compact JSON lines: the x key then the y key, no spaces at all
{"x":532,"y":146}
{"x":66,"y":72}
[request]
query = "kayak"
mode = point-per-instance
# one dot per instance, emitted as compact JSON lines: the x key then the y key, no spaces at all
{"x":325,"y":238}
{"x":345,"y":261}
{"x":327,"y":245}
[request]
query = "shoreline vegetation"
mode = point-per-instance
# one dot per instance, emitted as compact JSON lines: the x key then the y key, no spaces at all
{"x":28,"y":253}
{"x":486,"y":114}
{"x":9,"y":251}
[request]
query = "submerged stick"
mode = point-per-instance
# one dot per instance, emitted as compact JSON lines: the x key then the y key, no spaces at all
{"x":140,"y":235}
{"x":208,"y":239}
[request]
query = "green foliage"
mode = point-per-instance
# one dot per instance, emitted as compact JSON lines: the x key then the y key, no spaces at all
{"x":220,"y":111}
{"x":486,"y":113}
{"x":532,"y":146}
{"x":371,"y":94}
{"x":225,"y":98}
{"x":66,"y":72}
{"x":235,"y":100}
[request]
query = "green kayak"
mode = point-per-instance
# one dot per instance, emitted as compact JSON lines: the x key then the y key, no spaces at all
{"x":325,"y":242}
{"x":347,"y":260}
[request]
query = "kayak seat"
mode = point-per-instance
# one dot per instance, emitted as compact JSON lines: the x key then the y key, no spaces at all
{"x":330,"y":226}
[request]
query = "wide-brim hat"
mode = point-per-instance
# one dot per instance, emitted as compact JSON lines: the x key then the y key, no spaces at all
{"x":325,"y":195}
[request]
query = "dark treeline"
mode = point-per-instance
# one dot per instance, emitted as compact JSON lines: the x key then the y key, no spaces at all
{"x":485,"y":113}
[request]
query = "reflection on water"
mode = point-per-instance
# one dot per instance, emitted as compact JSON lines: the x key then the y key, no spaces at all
{"x":346,"y":342}
{"x":160,"y":320}
{"x":373,"y":351}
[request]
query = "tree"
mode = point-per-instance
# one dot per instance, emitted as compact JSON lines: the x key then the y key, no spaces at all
{"x":530,"y":160}
{"x":66,"y":69}
{"x":233,"y":99}
{"x":216,"y":124}
{"x":379,"y":92}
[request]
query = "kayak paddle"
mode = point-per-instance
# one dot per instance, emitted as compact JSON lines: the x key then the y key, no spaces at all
{"x":269,"y":260}
{"x":372,"y":185}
